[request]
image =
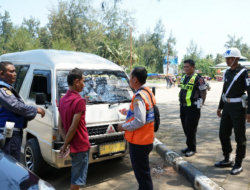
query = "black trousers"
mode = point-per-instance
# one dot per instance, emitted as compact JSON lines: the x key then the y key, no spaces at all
{"x":12,"y":145}
{"x":140,"y":163}
{"x":233,"y":117}
{"x":190,"y":116}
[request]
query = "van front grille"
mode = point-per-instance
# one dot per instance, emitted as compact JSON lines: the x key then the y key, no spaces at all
{"x":99,"y":130}
{"x":106,"y":139}
{"x":97,"y":135}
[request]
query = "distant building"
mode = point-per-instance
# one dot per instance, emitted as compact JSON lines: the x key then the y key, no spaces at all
{"x":221,"y":67}
{"x":243,"y":61}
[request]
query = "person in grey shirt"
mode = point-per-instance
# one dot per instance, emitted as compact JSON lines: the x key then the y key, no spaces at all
{"x":139,"y":127}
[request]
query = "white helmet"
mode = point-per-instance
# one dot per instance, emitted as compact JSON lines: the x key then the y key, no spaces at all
{"x":232,"y":52}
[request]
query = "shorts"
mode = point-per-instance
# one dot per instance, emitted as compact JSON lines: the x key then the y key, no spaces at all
{"x":79,"y":168}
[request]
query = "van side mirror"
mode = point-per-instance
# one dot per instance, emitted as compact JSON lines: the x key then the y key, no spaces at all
{"x":40,"y":99}
{"x":2,"y":140}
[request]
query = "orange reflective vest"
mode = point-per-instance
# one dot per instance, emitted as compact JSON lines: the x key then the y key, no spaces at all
{"x":145,"y":134}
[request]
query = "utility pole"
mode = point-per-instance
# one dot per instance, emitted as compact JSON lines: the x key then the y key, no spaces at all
{"x":168,"y":57}
{"x":131,"y":28}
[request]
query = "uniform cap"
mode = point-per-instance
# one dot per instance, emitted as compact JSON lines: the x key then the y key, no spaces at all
{"x":232,"y":52}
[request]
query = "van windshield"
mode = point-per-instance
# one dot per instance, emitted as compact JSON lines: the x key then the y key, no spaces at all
{"x":100,"y":86}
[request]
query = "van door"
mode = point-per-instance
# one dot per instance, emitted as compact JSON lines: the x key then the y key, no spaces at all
{"x":42,"y":127}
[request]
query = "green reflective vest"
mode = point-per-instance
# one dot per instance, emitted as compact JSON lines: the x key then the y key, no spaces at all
{"x":188,"y":87}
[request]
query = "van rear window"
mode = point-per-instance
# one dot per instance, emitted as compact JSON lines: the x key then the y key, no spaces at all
{"x":100,"y":86}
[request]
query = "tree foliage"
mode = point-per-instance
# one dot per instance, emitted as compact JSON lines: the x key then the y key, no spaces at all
{"x":193,"y":52}
{"x":5,"y":30}
{"x":238,"y":43}
{"x":76,"y":25}
{"x":219,"y":58}
{"x":32,"y":25}
{"x":202,"y":63}
{"x":21,"y":39}
{"x":63,"y":44}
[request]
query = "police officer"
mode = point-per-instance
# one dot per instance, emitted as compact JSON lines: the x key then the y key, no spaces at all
{"x":13,"y":109}
{"x":233,"y":116}
{"x":139,"y":127}
{"x":193,"y":88}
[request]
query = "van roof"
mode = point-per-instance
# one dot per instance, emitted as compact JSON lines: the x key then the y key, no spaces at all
{"x":60,"y":59}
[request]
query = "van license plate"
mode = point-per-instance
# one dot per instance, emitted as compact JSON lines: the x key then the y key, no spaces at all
{"x":112,"y":148}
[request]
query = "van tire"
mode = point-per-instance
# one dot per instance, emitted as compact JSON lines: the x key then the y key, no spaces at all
{"x":33,"y":159}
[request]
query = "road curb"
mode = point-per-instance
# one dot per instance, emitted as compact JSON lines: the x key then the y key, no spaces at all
{"x":194,"y":176}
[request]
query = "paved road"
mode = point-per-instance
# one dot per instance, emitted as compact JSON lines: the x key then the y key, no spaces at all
{"x":208,"y":148}
{"x":118,"y":175}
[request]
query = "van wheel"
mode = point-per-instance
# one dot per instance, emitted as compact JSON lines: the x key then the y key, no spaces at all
{"x":33,"y":158}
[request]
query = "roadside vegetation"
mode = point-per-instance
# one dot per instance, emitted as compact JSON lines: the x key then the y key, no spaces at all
{"x":76,"y":25}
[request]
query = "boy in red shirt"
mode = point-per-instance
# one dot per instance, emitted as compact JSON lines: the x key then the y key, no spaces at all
{"x":72,"y":128}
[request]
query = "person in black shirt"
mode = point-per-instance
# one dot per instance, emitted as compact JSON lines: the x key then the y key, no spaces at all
{"x":168,"y":81}
{"x":233,"y":115}
{"x":193,"y":88}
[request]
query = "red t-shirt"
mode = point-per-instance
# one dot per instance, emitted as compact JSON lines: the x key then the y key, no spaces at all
{"x":71,"y":104}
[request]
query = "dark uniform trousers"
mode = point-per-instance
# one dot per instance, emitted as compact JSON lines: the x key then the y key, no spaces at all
{"x":12,"y":145}
{"x":233,"y":117}
{"x":190,"y":116}
{"x":139,"y":155}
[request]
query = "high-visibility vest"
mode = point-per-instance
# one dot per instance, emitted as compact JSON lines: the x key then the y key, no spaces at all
{"x":145,"y":134}
{"x":189,"y":87}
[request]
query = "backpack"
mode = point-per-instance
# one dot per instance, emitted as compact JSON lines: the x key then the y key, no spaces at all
{"x":156,"y":114}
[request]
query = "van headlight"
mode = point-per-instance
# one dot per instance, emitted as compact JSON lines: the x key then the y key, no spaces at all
{"x":43,"y":185}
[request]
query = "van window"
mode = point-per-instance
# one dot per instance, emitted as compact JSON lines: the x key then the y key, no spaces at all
{"x":21,"y":72}
{"x":41,"y":84}
{"x":17,"y":71}
{"x":100,"y":86}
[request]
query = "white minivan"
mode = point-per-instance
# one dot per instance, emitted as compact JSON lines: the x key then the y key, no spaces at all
{"x":45,"y":72}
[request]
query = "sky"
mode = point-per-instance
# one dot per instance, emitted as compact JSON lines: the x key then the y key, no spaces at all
{"x":206,"y":22}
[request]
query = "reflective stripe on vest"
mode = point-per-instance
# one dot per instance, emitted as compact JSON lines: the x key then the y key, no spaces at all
{"x":188,"y":87}
{"x":145,"y":134}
